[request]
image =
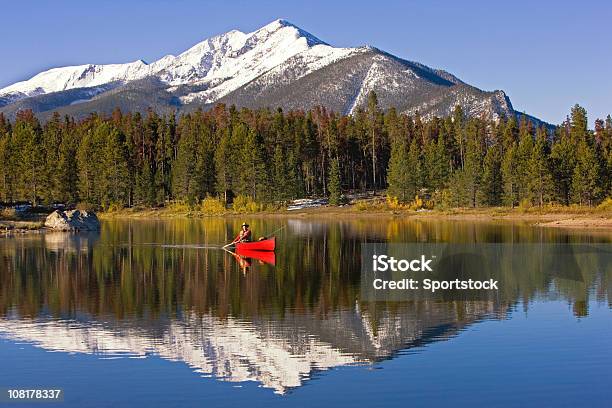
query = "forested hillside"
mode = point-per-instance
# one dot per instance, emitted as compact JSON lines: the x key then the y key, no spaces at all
{"x":130,"y":159}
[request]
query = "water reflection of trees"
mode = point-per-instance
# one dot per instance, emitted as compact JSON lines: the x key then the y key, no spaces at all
{"x":120,"y":292}
{"x":123,"y":272}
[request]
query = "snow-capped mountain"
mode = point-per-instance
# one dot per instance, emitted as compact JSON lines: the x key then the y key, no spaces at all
{"x":228,"y":61}
{"x":277,"y":65}
{"x":80,"y":76}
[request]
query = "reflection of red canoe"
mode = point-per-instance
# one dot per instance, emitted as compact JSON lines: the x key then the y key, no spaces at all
{"x":244,"y":263}
{"x":264,"y":245}
{"x":268,"y":257}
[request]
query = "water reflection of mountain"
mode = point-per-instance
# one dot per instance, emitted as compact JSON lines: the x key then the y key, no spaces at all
{"x":119,"y":292}
{"x":278,"y":353}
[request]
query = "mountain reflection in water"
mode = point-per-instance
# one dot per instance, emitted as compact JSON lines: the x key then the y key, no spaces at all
{"x":161,"y":288}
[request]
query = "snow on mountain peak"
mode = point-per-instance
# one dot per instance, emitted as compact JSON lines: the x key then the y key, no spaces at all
{"x":290,"y":28}
{"x":232,"y":59}
{"x":244,"y":57}
{"x":79,"y":76}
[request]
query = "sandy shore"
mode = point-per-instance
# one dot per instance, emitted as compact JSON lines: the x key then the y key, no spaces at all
{"x":586,"y":222}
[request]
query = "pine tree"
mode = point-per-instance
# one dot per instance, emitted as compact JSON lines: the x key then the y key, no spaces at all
{"x":491,"y":181}
{"x":578,"y":124}
{"x":253,"y":173}
{"x":164,"y":149}
{"x":510,"y":135}
{"x":223,"y":166}
{"x":540,"y":177}
{"x":144,"y":189}
{"x":414,"y":170}
{"x":509,"y":176}
{"x":447,"y":138}
{"x":295,"y":183}
{"x":563,"y":157}
{"x":204,"y":177}
{"x":115,"y":164}
{"x":606,"y":156}
{"x":398,"y":173}
{"x":585,"y":180}
{"x":374,"y":130}
{"x":280,"y":182}
{"x":52,"y":138}
{"x":459,"y":187}
{"x":308,"y":154}
{"x":30,"y":167}
{"x":436,"y":164}
{"x":183,"y":169}
{"x":473,"y":161}
{"x":334,"y":183}
{"x":7,"y":164}
{"x":523,"y":156}
{"x":458,"y":121}
{"x":87,"y":169}
{"x":66,"y":172}
{"x":393,"y":126}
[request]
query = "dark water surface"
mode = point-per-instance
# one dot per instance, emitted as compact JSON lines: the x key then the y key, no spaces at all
{"x":153,"y":313}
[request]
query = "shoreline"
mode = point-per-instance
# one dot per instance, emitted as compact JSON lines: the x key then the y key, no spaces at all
{"x":562,"y":218}
{"x":10,"y":227}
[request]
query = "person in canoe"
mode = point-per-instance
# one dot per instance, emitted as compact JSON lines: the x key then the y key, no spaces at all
{"x":244,"y":235}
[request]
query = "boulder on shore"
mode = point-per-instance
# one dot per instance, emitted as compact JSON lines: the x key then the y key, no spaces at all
{"x":73,"y":220}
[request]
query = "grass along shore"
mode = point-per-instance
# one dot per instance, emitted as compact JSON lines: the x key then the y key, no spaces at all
{"x":9,"y":227}
{"x":547,"y":216}
{"x":12,"y":222}
{"x":575,"y":217}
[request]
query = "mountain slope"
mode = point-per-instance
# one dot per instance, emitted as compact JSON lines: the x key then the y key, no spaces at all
{"x":277,"y":65}
{"x":344,"y":85}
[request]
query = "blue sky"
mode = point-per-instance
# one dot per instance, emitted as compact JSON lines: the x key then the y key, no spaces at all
{"x":546,"y":55}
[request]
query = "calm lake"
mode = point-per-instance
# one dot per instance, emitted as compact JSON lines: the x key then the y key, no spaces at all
{"x":153,"y":313}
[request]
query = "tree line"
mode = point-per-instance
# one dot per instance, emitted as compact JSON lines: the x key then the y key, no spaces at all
{"x":129,"y":159}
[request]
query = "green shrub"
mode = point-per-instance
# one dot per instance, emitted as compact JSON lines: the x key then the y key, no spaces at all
{"x":271,"y":207}
{"x":524,"y":205}
{"x":372,"y":205}
{"x":178,"y":207}
{"x":442,"y":199}
{"x":419,"y":204}
{"x":114,"y":207}
{"x":606,"y":205}
{"x":245,"y":204}
{"x":212,"y":206}
{"x":361,"y":205}
{"x":393,"y":203}
{"x":9,"y":214}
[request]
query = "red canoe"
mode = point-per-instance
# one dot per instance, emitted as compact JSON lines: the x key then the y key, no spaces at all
{"x":268,"y":244}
